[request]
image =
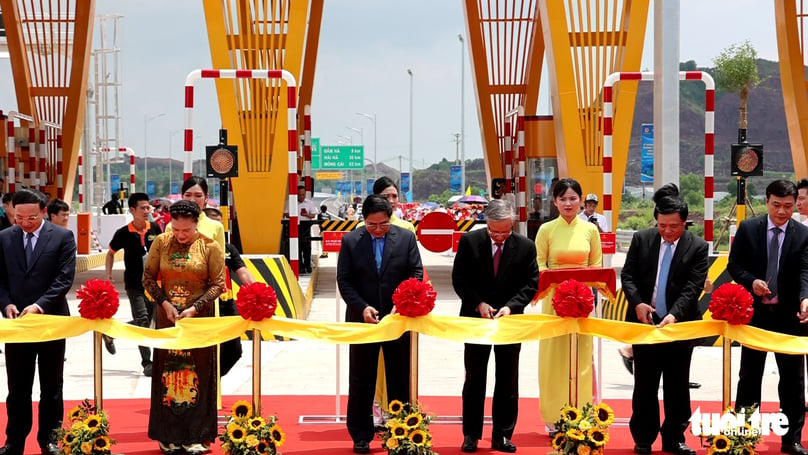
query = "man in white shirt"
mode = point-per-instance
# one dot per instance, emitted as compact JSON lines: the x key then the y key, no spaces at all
{"x":801,"y":214}
{"x":308,"y":211}
{"x":589,"y":213}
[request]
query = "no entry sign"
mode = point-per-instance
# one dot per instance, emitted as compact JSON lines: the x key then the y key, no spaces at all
{"x":435,"y":231}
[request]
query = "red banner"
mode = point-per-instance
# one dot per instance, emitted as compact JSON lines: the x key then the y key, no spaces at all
{"x":332,"y":241}
{"x":608,"y":242}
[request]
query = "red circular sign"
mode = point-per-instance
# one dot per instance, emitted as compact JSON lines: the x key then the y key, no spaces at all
{"x":435,"y":231}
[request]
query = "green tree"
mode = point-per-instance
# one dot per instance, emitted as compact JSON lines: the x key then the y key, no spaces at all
{"x":736,"y":71}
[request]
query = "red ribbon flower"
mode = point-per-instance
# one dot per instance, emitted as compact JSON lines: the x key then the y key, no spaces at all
{"x":98,"y":299}
{"x":731,"y":302}
{"x":573,"y":299}
{"x":256,"y":301}
{"x":414,"y":298}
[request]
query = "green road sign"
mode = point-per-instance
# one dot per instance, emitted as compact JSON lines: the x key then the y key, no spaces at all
{"x":340,"y":157}
{"x":315,"y":153}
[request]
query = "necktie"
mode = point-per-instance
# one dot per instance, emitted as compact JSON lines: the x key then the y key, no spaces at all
{"x":378,"y":247}
{"x":29,"y":248}
{"x":772,"y":263}
{"x":662,"y":282}
{"x":497,"y":257}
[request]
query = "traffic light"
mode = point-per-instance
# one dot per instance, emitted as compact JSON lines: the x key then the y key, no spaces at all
{"x":746,"y":160}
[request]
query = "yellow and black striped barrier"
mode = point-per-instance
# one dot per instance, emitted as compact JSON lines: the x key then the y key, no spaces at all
{"x":338,"y":225}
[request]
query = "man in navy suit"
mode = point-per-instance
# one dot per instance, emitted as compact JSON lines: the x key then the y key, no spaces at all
{"x":37,"y":265}
{"x":662,"y":278}
{"x":495,"y":274}
{"x":769,"y":257}
{"x":373,"y":261}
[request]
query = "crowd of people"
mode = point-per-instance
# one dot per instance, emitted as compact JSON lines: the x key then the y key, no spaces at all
{"x":178,"y":272}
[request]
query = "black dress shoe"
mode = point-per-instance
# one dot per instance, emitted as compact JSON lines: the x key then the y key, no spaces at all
{"x":694,"y":385}
{"x":680,"y":448}
{"x":469,"y":444}
{"x":642,"y":449}
{"x":11,"y":449}
{"x":628,"y":362}
{"x":503,"y":444}
{"x":109,"y":344}
{"x":361,"y":447}
{"x":147,"y":369}
{"x":50,"y":449}
{"x":794,"y":449}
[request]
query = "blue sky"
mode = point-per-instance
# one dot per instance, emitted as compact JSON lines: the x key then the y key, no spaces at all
{"x":366,"y":47}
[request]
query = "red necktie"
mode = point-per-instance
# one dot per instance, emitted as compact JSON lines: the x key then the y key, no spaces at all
{"x":497,"y":257}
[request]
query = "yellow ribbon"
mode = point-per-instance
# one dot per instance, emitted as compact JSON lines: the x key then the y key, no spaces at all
{"x":201,"y":332}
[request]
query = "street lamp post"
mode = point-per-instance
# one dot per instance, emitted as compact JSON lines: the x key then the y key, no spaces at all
{"x":412,"y":180}
{"x":462,"y":115}
{"x":171,"y":157}
{"x":372,"y":118}
{"x":146,"y":120}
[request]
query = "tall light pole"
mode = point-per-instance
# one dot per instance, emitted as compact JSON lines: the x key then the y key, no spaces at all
{"x":462,"y":114}
{"x":146,"y":120}
{"x":171,"y":157}
{"x":372,"y":118}
{"x":362,"y":143}
{"x":411,"y":188}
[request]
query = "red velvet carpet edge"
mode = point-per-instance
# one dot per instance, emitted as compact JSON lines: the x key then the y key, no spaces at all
{"x":129,"y":421}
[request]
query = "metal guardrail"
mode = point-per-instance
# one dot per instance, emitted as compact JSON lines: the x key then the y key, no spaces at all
{"x":623,"y":239}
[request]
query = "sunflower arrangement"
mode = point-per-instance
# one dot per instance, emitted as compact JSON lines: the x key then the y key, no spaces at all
{"x":736,"y":440}
{"x":583,"y":431}
{"x":86,"y":431}
{"x":249,"y":434}
{"x":407,"y":430}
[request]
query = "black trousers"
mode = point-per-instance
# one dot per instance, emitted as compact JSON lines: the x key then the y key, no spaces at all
{"x":21,"y":360}
{"x":790,"y":389}
{"x":364,"y":361}
{"x":142,"y":314}
{"x":505,"y":406}
{"x":671,"y":362}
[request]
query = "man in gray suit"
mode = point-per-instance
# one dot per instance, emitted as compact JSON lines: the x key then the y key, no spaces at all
{"x":37,"y":265}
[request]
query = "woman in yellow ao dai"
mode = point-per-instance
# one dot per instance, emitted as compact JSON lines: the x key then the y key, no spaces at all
{"x":565,"y":242}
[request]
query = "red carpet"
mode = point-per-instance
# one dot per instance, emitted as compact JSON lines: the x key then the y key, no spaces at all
{"x":129,"y":420}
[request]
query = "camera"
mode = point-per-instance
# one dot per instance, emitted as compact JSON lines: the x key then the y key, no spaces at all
{"x":593,"y":219}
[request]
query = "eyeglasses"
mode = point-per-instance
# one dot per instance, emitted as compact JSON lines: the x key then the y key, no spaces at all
{"x":375,"y":226}
{"x":20,"y":219}
{"x":499,"y":234}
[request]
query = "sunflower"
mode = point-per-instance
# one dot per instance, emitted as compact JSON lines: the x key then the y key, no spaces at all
{"x":396,"y":406}
{"x":75,"y":414}
{"x":604,"y":416}
{"x":262,"y":446}
{"x":278,"y":436}
{"x":236,"y":434}
{"x":584,"y":425}
{"x":583,"y":449}
{"x":93,"y":422}
{"x":391,"y":443}
{"x":398,"y":430}
{"x":69,"y":438}
{"x":571,"y":414}
{"x":87,"y":448}
{"x":251,"y":440}
{"x":721,"y":443}
{"x":748,"y":450}
{"x":559,"y":441}
{"x":413,"y":420}
{"x":101,"y":443}
{"x":418,"y":437}
{"x":256,"y":423}
{"x":242,"y":408}
{"x":575,"y":434}
{"x":598,"y":436}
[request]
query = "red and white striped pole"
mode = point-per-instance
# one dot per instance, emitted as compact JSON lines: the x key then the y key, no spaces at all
{"x":508,"y":157}
{"x":43,"y":157}
{"x":60,"y":188}
{"x":291,"y":100}
{"x":521,"y":199}
{"x":307,"y":151}
{"x":709,"y":136}
{"x":132,"y":171}
{"x":81,"y":183}
{"x":32,"y":162}
{"x":10,"y":149}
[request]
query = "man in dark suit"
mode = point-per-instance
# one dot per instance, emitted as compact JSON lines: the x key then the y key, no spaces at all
{"x":495,"y":274}
{"x":373,"y":261}
{"x":769,"y":257}
{"x":666,"y":293}
{"x":37,"y":265}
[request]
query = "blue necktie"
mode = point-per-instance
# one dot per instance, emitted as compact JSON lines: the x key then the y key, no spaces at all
{"x":29,"y":248}
{"x":662,"y":283}
{"x":378,"y":248}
